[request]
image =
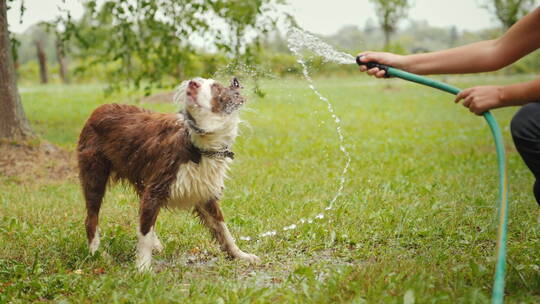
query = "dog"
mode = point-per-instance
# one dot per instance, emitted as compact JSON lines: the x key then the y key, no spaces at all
{"x":175,"y":160}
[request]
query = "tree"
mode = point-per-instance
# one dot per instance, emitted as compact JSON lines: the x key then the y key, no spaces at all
{"x":52,"y":33}
{"x":147,"y":43}
{"x":42,"y":60}
{"x":60,"y":57}
{"x":509,"y":12}
{"x":389,"y":13}
{"x":142,"y":42}
{"x":369,"y":27}
{"x":348,"y":37}
{"x":13,"y":122}
{"x":454,"y":36}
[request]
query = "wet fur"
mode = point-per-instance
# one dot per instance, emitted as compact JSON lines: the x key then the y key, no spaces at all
{"x":159,"y":155}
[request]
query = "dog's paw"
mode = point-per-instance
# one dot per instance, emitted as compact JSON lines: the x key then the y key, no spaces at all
{"x":93,"y":246}
{"x":248,"y":257}
{"x":143,"y":267}
{"x":143,"y":264}
{"x":92,"y":250}
{"x":157,"y":246}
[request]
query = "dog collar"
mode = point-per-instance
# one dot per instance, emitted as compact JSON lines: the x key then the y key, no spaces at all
{"x":215,"y":154}
{"x":197,"y":153}
{"x":226,"y":153}
{"x":192,"y":123}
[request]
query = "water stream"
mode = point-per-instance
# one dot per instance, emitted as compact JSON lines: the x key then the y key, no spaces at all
{"x":298,"y":41}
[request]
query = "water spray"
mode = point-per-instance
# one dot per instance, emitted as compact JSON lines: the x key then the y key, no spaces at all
{"x":498,"y":284}
{"x":298,"y":40}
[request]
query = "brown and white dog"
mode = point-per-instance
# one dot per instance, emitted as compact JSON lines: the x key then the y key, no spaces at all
{"x":172,"y":160}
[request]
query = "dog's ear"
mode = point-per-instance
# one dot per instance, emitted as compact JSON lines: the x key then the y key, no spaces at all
{"x":235,"y":84}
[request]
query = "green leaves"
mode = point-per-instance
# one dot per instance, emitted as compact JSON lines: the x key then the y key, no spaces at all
{"x":390,"y":12}
{"x":22,"y":8}
{"x":148,"y":43}
{"x":509,"y":12}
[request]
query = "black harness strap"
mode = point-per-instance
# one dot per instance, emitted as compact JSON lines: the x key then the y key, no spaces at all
{"x":193,"y":124}
{"x":198,"y":152}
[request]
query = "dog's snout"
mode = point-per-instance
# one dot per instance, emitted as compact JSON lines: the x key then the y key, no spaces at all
{"x":194,"y":85}
{"x":193,"y":89}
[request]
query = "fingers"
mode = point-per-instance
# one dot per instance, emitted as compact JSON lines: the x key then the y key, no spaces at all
{"x":473,"y":109}
{"x":376,"y":72}
{"x":371,"y":57}
{"x":366,"y":57}
{"x":468,"y":101}
{"x":373,"y":71}
{"x":478,"y":110}
{"x":462,"y":95}
{"x":380,"y":74}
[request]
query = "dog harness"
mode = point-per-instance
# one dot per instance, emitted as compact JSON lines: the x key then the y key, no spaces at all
{"x":215,"y":154}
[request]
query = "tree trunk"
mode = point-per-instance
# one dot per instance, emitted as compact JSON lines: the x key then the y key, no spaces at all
{"x":42,"y":59}
{"x":386,"y":40}
{"x":13,"y":122}
{"x":61,"y":62}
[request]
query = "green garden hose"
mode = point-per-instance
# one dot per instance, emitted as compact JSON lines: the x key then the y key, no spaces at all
{"x":498,"y":284}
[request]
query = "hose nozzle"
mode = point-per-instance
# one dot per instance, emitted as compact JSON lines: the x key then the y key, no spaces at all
{"x":372,"y":64}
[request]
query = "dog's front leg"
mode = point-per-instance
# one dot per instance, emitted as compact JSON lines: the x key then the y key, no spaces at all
{"x":210,"y":214}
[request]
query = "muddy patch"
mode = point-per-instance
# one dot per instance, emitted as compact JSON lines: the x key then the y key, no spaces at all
{"x":31,"y":162}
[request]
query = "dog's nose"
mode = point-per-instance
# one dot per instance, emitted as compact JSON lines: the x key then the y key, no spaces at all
{"x":193,"y":84}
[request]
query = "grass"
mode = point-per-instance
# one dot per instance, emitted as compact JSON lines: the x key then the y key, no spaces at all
{"x":416,"y":221}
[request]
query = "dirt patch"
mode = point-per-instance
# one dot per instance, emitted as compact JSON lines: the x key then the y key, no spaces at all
{"x":36,"y":162}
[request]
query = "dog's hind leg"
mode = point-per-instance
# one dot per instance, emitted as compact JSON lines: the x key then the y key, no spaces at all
{"x":212,"y":217}
{"x":150,"y":205}
{"x":94,"y":170}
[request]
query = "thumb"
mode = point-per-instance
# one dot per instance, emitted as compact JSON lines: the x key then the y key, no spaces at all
{"x":373,"y":57}
{"x":366,"y":57}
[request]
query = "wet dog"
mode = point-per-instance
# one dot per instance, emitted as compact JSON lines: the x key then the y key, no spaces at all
{"x":172,"y":160}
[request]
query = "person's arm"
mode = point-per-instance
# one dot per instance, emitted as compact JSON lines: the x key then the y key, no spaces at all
{"x":483,"y":98}
{"x":520,"y":40}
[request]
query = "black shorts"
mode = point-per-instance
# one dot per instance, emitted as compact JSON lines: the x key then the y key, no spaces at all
{"x":526,"y":134}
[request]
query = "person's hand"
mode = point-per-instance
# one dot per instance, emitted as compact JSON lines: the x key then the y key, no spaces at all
{"x":481,"y":99}
{"x":382,"y":58}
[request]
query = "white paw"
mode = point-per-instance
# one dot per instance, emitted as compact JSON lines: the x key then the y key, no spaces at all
{"x":157,"y":246}
{"x":248,"y":257}
{"x":94,"y":244}
{"x":143,"y":264}
{"x":144,"y":251}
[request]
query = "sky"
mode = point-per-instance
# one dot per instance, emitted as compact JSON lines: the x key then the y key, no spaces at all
{"x":318,"y":16}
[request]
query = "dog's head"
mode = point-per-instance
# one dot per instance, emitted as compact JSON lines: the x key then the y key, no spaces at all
{"x":209,"y":102}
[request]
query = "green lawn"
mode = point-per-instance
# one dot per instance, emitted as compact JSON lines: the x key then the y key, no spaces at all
{"x":417,"y":216}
